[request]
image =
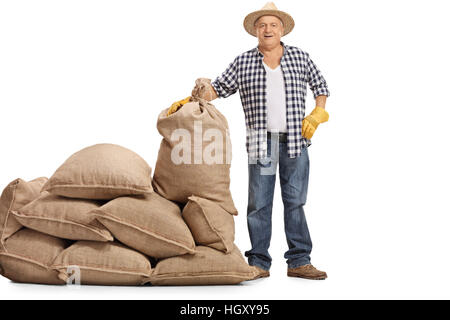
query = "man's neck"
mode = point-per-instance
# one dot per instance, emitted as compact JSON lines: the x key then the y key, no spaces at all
{"x":271,"y":51}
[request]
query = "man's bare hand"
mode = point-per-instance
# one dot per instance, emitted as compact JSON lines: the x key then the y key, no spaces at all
{"x":204,"y":90}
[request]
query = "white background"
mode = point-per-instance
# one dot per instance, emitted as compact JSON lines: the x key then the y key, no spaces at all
{"x":77,"y":73}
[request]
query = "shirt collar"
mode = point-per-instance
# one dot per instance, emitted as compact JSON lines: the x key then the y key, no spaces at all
{"x":259,"y":53}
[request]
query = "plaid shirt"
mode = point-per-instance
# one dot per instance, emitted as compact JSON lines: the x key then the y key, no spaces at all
{"x":247,"y":74}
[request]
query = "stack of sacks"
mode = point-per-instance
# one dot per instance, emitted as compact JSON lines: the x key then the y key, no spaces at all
{"x":99,"y":212}
{"x":60,"y":230}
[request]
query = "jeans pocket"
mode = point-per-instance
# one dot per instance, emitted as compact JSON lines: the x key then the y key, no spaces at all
{"x":265,"y":163}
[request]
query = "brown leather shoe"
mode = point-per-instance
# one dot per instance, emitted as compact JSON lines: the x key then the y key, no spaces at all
{"x":260,"y":273}
{"x":307,"y":271}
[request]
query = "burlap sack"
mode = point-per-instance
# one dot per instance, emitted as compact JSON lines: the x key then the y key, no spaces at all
{"x":207,"y":267}
{"x":63,"y":217}
{"x":103,"y":263}
{"x":210,"y":224}
{"x":149,"y":224}
{"x":29,"y":255}
{"x":192,"y":158}
{"x":102,"y":171}
{"x":16,"y":194}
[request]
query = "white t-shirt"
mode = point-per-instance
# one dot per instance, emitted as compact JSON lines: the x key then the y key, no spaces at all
{"x":276,"y":99}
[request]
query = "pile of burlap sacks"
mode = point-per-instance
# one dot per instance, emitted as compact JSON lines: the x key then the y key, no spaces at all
{"x":102,"y":220}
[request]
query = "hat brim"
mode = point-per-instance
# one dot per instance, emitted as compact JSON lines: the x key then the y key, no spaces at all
{"x":250,"y":19}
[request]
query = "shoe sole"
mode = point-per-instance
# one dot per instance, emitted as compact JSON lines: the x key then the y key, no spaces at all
{"x":294,"y":275}
{"x":261,"y":276}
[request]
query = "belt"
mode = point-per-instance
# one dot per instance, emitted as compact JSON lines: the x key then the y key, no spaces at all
{"x":281,"y":136}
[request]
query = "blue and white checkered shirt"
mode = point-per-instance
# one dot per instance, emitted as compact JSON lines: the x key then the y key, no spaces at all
{"x":247,"y":74}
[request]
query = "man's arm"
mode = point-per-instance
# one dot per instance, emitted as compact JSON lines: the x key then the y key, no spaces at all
{"x":316,"y":81}
{"x":321,"y":101}
{"x":320,"y":90}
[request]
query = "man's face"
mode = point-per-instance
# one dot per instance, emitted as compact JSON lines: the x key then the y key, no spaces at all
{"x":269,"y":30}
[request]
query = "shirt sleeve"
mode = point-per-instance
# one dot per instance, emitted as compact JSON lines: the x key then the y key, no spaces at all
{"x":316,"y":81}
{"x":227,"y":83}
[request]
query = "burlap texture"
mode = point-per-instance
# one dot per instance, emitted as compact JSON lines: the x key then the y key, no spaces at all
{"x":29,"y":255}
{"x":104,"y":263}
{"x":209,"y":223}
{"x":102,"y":171}
{"x":149,"y":224}
{"x":16,"y":194}
{"x":177,"y":182}
{"x":63,"y":217}
{"x":207,"y":267}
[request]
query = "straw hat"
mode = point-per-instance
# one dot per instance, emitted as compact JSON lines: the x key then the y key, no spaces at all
{"x":268,"y":10}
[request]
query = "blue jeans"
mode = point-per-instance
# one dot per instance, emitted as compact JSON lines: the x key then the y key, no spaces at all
{"x":294,"y":175}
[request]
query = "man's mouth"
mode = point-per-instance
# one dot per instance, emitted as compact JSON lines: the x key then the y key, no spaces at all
{"x":268,"y":36}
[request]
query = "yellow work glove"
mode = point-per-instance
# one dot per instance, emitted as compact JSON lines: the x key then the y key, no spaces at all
{"x":311,"y":122}
{"x":177,"y":105}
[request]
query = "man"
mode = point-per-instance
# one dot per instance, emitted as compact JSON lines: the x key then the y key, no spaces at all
{"x":272,"y":80}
